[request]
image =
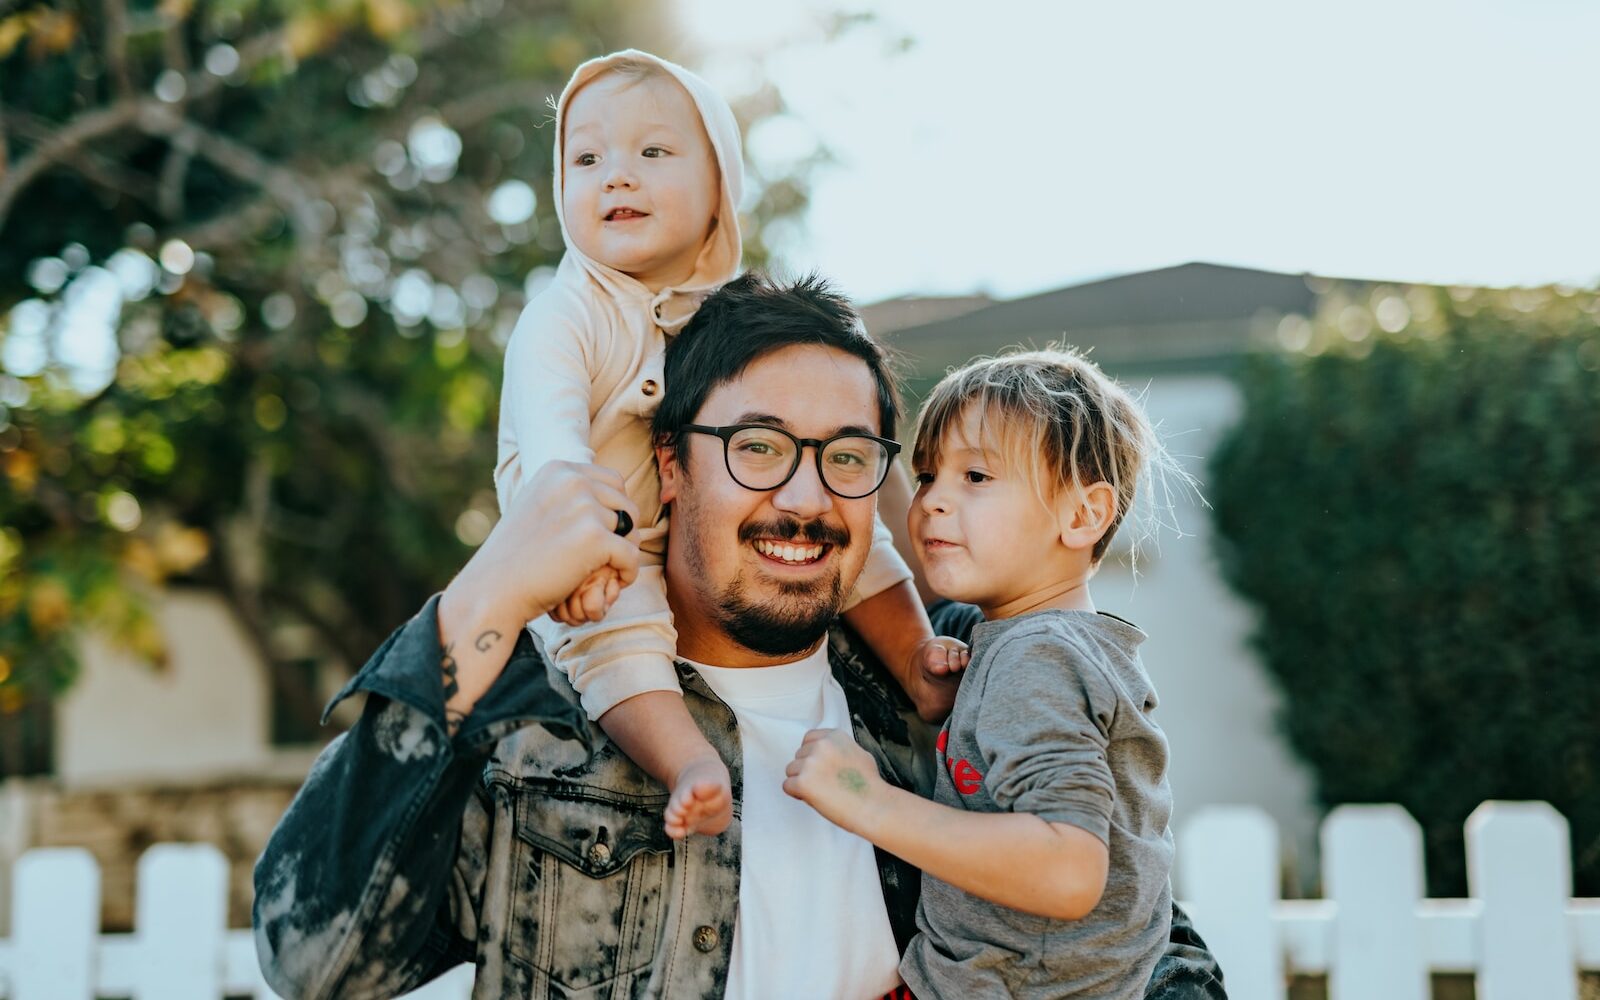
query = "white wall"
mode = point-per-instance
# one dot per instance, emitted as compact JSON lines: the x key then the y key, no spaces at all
{"x":204,"y":715}
{"x":1217,"y":704}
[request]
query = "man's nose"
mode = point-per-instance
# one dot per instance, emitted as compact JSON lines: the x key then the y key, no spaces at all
{"x":804,"y":495}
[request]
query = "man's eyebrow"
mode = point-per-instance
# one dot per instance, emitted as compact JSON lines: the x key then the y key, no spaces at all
{"x":752,"y":417}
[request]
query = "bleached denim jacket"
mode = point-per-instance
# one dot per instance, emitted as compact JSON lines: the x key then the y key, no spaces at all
{"x":530,"y":846}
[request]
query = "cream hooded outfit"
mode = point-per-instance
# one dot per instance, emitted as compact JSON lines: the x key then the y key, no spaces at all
{"x":583,"y":377}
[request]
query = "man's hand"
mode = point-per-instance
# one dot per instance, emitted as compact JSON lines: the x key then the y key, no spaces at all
{"x":936,"y":667}
{"x":837,"y":778}
{"x":558,"y":531}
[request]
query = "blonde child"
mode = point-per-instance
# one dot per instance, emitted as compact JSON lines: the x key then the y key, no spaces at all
{"x":1045,"y":851}
{"x":648,"y":178}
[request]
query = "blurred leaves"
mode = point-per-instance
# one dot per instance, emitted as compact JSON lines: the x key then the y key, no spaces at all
{"x":1412,"y":503}
{"x":258,"y":262}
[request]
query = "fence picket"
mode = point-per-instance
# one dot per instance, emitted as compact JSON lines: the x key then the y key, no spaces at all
{"x":1229,"y":869}
{"x":182,"y":917}
{"x":1372,"y":868}
{"x":55,"y":917}
{"x":1519,"y":863}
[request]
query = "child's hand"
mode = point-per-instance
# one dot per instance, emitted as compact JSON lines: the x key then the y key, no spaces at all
{"x":592,"y":599}
{"x":937,"y":666}
{"x":835,"y":777}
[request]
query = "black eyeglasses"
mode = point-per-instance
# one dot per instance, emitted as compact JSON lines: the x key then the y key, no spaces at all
{"x":762,"y":457}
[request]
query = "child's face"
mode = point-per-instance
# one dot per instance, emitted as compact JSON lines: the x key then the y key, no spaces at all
{"x":980,"y":529}
{"x":640,"y":183}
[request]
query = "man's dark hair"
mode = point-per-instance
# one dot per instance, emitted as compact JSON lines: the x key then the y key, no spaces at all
{"x":750,"y":317}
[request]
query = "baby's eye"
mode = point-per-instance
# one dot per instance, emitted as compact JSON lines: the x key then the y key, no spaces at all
{"x":584,"y":159}
{"x":654,"y":151}
{"x":974,"y":476}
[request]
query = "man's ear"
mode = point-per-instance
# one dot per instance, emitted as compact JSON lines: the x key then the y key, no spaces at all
{"x":667,"y":467}
{"x":1085,"y":515}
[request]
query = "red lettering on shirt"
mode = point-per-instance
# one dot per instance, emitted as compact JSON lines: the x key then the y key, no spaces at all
{"x":967,"y":778}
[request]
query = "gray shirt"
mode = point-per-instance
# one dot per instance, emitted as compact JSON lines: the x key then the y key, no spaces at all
{"x":1053,"y":719}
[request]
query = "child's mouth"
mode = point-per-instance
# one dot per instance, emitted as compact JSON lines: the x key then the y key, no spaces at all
{"x":624,"y":215}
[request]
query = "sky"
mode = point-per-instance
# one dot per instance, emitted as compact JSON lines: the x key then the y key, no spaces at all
{"x":1012,"y":147}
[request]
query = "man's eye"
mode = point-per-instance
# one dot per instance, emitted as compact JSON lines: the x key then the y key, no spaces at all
{"x":756,"y":448}
{"x":847,"y":458}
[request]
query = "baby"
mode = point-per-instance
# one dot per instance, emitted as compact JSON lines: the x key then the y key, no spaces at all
{"x":648,"y":177}
{"x":1045,"y":851}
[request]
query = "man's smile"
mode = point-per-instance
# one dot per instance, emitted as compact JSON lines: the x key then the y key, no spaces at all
{"x":791,"y":553}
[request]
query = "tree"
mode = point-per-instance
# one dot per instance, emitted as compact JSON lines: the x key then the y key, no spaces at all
{"x":259,"y":261}
{"x":1411,"y":501}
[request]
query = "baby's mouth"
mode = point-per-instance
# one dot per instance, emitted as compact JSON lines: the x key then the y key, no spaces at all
{"x":624,"y":215}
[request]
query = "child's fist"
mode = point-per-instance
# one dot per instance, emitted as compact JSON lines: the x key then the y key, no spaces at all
{"x":834,"y":776}
{"x":936,"y":668}
{"x":592,"y":599}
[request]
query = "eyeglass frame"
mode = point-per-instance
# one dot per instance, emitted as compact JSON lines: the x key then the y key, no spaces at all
{"x":727,"y":431}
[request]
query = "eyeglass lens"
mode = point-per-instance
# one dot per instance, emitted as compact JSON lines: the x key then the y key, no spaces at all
{"x":761,"y":458}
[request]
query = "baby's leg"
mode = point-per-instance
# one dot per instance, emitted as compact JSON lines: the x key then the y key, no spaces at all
{"x":656,"y":731}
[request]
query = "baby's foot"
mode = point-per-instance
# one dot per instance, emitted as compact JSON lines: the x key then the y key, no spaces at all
{"x":702,"y":799}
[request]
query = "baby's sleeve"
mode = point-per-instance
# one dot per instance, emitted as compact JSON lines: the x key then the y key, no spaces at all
{"x":884,"y":567}
{"x":628,"y":652}
{"x":1044,"y":723}
{"x":544,"y":395}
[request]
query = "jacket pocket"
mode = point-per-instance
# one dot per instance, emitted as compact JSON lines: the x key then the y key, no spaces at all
{"x":591,"y":877}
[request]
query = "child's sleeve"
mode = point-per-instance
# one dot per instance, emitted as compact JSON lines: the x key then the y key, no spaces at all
{"x":884,"y":567}
{"x":544,"y":394}
{"x":628,"y":652}
{"x":1044,"y":723}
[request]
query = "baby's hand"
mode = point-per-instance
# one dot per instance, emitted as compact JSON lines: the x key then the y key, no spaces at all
{"x":592,"y":599}
{"x":937,"y":666}
{"x":835,"y":777}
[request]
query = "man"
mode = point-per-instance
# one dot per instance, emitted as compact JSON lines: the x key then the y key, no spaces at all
{"x":460,"y":822}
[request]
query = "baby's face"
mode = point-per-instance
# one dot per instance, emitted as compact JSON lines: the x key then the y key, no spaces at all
{"x":640,"y":184}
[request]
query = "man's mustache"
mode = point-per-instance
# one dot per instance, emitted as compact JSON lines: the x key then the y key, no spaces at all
{"x":789,"y":529}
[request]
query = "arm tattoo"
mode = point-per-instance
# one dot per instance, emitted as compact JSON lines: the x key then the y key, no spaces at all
{"x":484,"y":641}
{"x":450,"y":668}
{"x":447,"y":664}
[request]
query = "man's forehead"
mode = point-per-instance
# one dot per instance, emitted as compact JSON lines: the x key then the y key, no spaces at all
{"x":808,"y":389}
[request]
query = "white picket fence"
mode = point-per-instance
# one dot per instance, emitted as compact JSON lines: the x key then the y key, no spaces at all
{"x":1375,"y":936}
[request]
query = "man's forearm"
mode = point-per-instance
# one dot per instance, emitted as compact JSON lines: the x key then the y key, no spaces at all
{"x":477,"y":633}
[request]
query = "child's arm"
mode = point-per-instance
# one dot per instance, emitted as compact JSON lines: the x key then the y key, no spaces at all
{"x":928,"y":667}
{"x":1015,"y":859}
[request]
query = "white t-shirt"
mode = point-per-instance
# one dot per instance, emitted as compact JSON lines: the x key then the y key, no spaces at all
{"x":811,"y":922}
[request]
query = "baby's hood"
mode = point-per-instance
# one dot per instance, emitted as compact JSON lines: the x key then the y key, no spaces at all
{"x":719,"y":258}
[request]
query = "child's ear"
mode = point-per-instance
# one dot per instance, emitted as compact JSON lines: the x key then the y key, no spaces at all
{"x":667,"y":468}
{"x":1085,"y":515}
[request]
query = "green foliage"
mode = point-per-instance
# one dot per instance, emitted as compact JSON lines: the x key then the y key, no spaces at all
{"x":289,"y":206}
{"x":1412,"y":503}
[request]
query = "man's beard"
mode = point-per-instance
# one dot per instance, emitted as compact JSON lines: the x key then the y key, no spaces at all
{"x":801,"y":613}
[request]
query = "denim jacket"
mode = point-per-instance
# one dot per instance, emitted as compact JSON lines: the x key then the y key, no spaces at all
{"x":530,"y":846}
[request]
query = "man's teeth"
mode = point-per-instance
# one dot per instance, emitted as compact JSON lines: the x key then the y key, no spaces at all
{"x":790,"y":553}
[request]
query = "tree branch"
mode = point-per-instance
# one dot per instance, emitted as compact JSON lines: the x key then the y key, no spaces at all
{"x":62,"y":144}
{"x":116,"y":29}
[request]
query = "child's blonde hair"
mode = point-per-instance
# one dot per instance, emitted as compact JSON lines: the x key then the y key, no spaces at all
{"x":1055,"y":417}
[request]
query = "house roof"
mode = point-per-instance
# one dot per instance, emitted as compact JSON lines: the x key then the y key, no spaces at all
{"x":1193,"y":316}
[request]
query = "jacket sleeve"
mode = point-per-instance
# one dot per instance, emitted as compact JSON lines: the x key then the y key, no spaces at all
{"x":1186,"y":970}
{"x":371,"y":883}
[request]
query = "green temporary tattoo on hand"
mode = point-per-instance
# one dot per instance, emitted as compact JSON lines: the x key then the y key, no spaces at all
{"x":852,"y":781}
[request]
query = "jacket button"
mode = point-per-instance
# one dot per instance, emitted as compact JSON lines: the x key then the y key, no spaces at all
{"x":705,"y":938}
{"x":599,"y":854}
{"x":649,"y":388}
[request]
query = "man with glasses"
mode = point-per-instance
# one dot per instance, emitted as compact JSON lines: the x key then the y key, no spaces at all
{"x":414,"y":847}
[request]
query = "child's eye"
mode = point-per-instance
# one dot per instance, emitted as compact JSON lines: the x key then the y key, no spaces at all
{"x":654,"y":151}
{"x":924,"y":478}
{"x":974,"y":476}
{"x":584,"y":159}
